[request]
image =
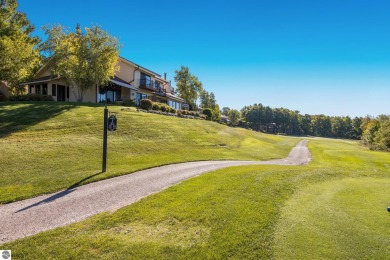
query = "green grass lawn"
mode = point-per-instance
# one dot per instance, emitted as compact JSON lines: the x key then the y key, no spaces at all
{"x":333,"y":208}
{"x":46,"y":147}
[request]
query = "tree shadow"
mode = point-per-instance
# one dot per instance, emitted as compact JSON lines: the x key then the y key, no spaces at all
{"x":60,"y":194}
{"x":25,"y":114}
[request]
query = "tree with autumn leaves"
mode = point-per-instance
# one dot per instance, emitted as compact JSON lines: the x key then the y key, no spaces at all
{"x":85,"y":60}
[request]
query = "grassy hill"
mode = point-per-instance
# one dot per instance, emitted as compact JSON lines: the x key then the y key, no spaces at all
{"x":46,"y":147}
{"x":333,"y":208}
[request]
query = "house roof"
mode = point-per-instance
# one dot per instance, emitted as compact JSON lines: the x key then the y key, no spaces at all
{"x":120,"y":82}
{"x":158,"y":76}
{"x":40,"y":80}
{"x":169,"y":95}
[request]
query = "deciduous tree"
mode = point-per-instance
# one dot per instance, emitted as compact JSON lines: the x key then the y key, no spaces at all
{"x":85,"y":60}
{"x":19,"y":54}
{"x":188,"y":86}
{"x":234,"y":116}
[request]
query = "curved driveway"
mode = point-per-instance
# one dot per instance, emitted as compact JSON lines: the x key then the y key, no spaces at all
{"x":31,"y":216}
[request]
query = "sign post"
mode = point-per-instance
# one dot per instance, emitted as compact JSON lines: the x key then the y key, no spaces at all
{"x":110,"y":123}
{"x":104,"y":167}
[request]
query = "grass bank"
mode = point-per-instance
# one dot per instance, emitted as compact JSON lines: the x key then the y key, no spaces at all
{"x":333,"y":208}
{"x":46,"y":147}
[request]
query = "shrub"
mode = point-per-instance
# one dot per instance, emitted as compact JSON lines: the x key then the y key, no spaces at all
{"x":163,"y":108}
{"x":128,"y":103}
{"x":156,"y":106}
{"x":31,"y":97}
{"x":146,"y":104}
{"x":172,"y":110}
{"x":208,"y":113}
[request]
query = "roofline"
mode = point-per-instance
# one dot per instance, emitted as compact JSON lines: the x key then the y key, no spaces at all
{"x":40,"y":80}
{"x":143,"y":68}
{"x":49,"y":61}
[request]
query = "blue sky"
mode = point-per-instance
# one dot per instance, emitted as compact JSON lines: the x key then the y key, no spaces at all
{"x":329,"y":57}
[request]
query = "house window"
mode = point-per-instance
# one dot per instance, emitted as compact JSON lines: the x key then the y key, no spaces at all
{"x":44,"y":89}
{"x":31,"y":88}
{"x":158,"y":87}
{"x":109,"y":94}
{"x":146,"y":80}
{"x":54,"y":90}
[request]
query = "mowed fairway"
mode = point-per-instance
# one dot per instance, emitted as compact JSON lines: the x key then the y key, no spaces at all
{"x":333,"y":208}
{"x":46,"y":147}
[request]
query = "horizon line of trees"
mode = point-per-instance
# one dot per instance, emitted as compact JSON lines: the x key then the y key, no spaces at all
{"x":373,"y":131}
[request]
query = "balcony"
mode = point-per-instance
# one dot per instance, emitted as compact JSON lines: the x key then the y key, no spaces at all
{"x":152,"y":86}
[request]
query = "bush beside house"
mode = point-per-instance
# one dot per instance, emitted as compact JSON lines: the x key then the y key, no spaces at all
{"x":31,"y":97}
{"x":146,"y":104}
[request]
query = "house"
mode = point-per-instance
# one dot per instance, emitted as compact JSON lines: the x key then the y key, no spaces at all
{"x":131,"y":82}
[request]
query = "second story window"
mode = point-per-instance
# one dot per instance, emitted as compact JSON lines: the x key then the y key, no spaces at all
{"x":146,"y":80}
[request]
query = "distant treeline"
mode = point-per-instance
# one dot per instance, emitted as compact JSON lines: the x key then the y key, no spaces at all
{"x":375,"y":132}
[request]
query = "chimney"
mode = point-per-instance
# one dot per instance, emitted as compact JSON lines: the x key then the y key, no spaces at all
{"x":78,"y":29}
{"x":165,"y":76}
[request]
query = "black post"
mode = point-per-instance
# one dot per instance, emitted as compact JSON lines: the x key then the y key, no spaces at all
{"x":105,"y":140}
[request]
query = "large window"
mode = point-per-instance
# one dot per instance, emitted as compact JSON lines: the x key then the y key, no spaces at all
{"x":146,"y":80}
{"x":109,"y":94}
{"x":174,"y":104}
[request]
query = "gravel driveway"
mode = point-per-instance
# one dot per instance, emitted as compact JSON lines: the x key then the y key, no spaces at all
{"x":31,"y":216}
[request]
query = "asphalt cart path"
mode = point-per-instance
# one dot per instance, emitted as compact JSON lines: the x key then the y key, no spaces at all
{"x":31,"y":216}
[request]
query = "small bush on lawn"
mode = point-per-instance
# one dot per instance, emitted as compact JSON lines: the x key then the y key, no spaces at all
{"x":156,"y":106}
{"x":31,"y":97}
{"x":172,"y":110}
{"x":128,"y":103}
{"x":146,"y":104}
{"x":208,"y":113}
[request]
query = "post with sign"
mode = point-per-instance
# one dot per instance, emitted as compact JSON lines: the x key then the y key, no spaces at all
{"x":110,"y":123}
{"x":104,"y":167}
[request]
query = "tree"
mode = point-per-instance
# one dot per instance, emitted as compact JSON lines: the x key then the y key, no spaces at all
{"x":188,"y":86}
{"x":216,"y":113}
{"x":382,"y":138}
{"x":234,"y":116}
{"x":204,"y":97}
{"x":19,"y":54}
{"x":85,"y":60}
{"x":225,"y":111}
{"x":212,"y":100}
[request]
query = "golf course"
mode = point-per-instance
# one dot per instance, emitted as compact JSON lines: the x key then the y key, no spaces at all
{"x":334,"y":207}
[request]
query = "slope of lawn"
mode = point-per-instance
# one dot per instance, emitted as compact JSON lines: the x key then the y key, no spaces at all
{"x":333,"y":208}
{"x":46,"y":147}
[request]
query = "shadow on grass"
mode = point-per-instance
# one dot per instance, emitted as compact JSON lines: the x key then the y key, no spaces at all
{"x":60,"y":194}
{"x":25,"y":114}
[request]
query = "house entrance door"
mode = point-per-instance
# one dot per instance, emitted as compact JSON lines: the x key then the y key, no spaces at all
{"x":60,"y":93}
